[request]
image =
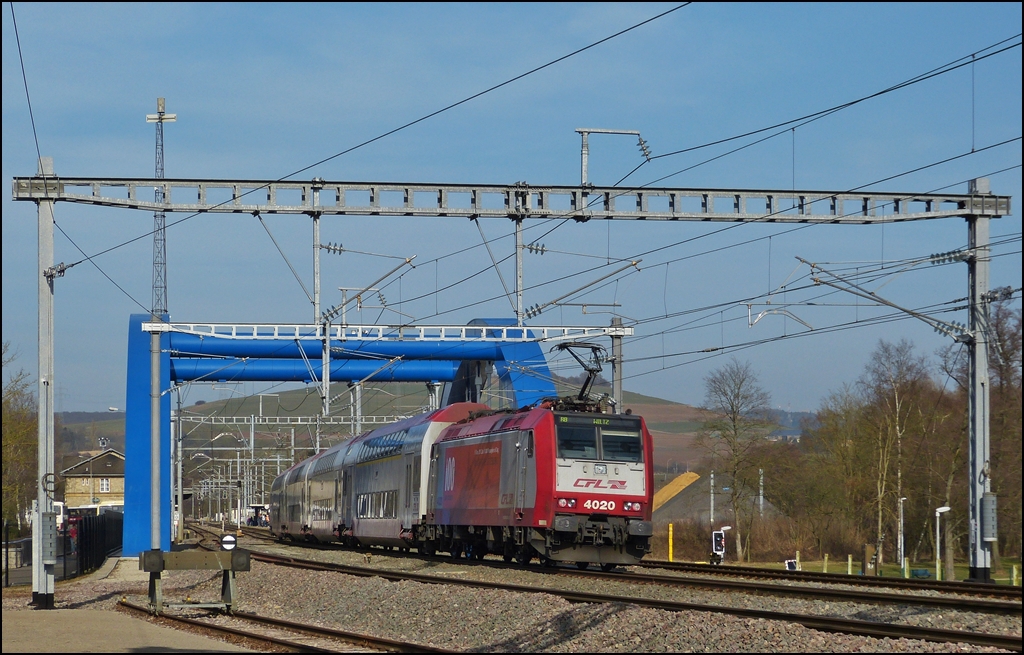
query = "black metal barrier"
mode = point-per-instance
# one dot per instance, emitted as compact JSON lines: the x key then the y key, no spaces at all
{"x":98,"y":538}
{"x":81,"y":548}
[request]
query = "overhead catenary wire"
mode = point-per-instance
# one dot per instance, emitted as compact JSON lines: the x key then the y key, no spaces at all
{"x":413,"y":122}
{"x":467,"y":278}
{"x":691,"y":256}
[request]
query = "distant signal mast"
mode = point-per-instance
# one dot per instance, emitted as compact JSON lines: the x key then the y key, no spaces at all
{"x":159,"y":220}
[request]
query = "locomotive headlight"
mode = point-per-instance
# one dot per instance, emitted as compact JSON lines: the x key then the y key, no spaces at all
{"x":572,"y":502}
{"x":631,"y":506}
{"x":562,"y":502}
{"x":601,"y":468}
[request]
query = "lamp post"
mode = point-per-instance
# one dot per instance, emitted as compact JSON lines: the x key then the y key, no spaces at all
{"x":938,"y":559}
{"x":901,"y":544}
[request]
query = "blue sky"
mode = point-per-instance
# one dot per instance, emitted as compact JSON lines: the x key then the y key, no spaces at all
{"x":264,"y":90}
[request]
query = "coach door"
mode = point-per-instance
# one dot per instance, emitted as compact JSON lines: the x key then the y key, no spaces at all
{"x":345,"y":507}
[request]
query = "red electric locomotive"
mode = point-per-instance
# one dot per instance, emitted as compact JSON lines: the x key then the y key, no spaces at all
{"x":554,"y":483}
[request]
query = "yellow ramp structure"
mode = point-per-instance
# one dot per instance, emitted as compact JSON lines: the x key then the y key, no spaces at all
{"x":670,"y":490}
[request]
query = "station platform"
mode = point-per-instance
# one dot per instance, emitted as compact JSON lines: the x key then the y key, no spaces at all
{"x":30,"y":630}
{"x":97,"y":631}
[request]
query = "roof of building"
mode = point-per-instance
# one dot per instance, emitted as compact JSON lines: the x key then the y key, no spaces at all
{"x":107,"y":463}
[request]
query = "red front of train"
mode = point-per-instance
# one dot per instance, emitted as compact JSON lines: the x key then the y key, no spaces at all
{"x":558,"y":485}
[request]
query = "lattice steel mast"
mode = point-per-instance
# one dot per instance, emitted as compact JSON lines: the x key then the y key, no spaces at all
{"x":159,"y":220}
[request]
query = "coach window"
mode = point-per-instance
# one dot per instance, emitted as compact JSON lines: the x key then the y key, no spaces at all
{"x":621,"y":446}
{"x":577,"y":442}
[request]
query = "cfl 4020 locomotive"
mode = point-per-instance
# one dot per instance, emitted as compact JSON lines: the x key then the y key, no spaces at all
{"x":467,"y":480}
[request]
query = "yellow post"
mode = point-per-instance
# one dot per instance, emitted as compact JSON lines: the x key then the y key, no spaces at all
{"x":906,"y":567}
{"x":670,"y":542}
{"x":824,"y":568}
{"x":849,"y":565}
{"x":938,"y":568}
{"x":1013,"y":579}
{"x":798,"y":560}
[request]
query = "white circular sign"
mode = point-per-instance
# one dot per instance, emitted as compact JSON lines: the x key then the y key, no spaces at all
{"x":227,"y":542}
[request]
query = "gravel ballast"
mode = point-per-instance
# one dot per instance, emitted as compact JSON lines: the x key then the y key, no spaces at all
{"x":481,"y":620}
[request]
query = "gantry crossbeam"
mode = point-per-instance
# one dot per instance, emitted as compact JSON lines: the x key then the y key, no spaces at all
{"x":285,"y":421}
{"x":454,"y":333}
{"x":507,"y":201}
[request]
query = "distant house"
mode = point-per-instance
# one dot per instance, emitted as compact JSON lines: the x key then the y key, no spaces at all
{"x":95,"y":481}
{"x":786,"y":435}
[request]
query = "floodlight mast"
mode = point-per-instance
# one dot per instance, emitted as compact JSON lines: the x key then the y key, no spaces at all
{"x":159,"y":220}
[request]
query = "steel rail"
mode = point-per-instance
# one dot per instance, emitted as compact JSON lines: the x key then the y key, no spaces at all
{"x":990,"y":606}
{"x":816,"y":622}
{"x":838,"y":578}
{"x":375,"y":642}
{"x":848,"y":595}
{"x":300,"y":648}
{"x":357,"y":638}
{"x":824,"y":623}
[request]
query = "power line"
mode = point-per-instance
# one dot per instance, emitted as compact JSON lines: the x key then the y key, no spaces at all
{"x":91,"y":258}
{"x":941,"y":70}
{"x":418,"y":120}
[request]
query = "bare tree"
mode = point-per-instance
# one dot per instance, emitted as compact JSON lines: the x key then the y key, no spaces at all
{"x":892,"y":380}
{"x":19,"y":440}
{"x":739,"y":418}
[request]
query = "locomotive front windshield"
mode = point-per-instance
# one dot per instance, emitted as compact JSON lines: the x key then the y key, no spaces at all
{"x":599,"y":439}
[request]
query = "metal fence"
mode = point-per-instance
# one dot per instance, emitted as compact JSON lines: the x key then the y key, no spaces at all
{"x":80,"y":549}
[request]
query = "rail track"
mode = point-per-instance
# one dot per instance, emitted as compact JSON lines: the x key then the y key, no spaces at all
{"x":796,"y":591}
{"x":965,"y":588}
{"x":817,"y":622}
{"x":298,"y":637}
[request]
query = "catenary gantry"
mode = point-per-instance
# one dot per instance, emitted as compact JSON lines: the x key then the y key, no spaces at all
{"x":519,"y":200}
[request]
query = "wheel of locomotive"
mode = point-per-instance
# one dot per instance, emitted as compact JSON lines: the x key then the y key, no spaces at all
{"x":508,"y":552}
{"x":608,"y":567}
{"x":547,"y":562}
{"x":582,"y":566}
{"x":479,"y":550}
{"x":428,"y":548}
{"x":523,"y":556}
{"x":456,"y":550}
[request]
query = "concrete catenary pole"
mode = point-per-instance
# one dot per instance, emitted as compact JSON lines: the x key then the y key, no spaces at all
{"x":44,"y":523}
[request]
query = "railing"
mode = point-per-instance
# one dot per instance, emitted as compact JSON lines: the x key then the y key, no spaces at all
{"x":81,"y":549}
